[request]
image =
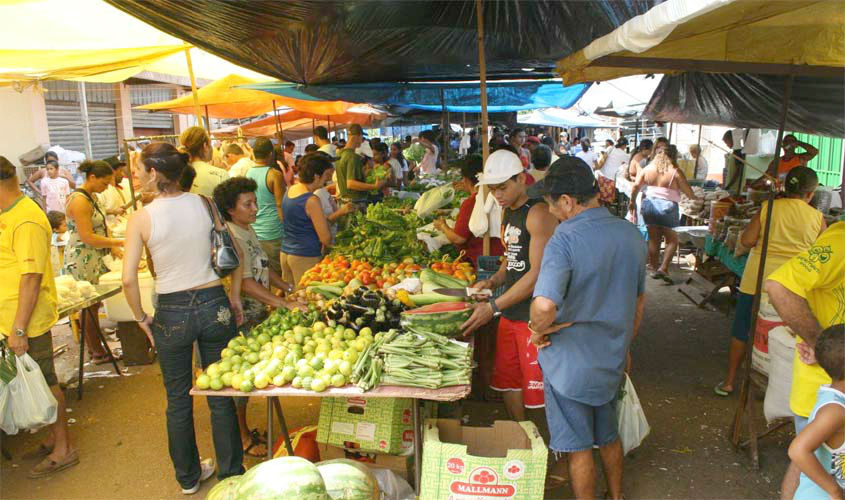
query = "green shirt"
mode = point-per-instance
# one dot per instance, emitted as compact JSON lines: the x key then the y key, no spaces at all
{"x":349,"y":166}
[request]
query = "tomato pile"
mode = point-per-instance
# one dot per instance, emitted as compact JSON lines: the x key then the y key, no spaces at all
{"x":334,"y":269}
{"x":457,"y":269}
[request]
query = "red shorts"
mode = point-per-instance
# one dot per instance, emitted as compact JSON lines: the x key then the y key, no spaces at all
{"x":515,"y":367}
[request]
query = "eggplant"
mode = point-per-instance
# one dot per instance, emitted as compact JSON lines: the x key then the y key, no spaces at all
{"x":371,"y":299}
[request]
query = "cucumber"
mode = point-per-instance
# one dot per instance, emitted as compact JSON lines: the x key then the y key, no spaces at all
{"x":442,"y":280}
{"x":424,"y":299}
{"x":328,"y":291}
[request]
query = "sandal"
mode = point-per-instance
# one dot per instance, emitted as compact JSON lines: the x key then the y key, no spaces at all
{"x":719,"y":390}
{"x":101,"y":360}
{"x":255,"y":440}
{"x":48,"y":467}
{"x":607,"y":496}
{"x":554,"y":482}
{"x":41,"y":451}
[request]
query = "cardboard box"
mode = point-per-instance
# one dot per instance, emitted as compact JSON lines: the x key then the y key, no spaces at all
{"x":401,"y":465}
{"x":506,"y":461}
{"x":383,"y":425}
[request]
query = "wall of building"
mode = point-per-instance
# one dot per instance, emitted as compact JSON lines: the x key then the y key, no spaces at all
{"x":24,"y":123}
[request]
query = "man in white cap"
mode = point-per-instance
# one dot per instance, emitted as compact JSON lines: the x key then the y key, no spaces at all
{"x":526,"y":227}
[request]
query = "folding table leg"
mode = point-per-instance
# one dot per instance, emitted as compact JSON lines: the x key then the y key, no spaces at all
{"x":269,"y":428}
{"x":283,"y":426}
{"x":81,"y":359}
{"x":415,"y":410}
{"x":96,"y":322}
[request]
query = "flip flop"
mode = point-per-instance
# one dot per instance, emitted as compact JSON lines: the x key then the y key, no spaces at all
{"x":49,"y":467}
{"x":41,"y":451}
{"x":719,"y":391}
{"x":105,"y":359}
{"x":554,"y":481}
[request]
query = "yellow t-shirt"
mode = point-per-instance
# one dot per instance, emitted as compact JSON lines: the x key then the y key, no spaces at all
{"x":208,"y":177}
{"x":795,"y":226}
{"x":817,"y":275}
{"x":25,"y":249}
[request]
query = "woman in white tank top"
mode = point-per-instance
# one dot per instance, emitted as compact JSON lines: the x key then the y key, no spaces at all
{"x":191,"y":306}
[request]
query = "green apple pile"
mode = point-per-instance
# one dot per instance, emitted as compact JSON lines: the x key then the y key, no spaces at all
{"x":313,"y":355}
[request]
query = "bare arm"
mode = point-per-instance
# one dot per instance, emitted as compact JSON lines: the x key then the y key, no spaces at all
{"x":451,"y":235}
{"x":64,"y":173}
{"x":751,"y":234}
{"x":638,"y":315}
{"x":261,"y":294}
{"x":81,"y":211}
{"x":355,"y":185}
{"x":277,"y":187}
{"x":27,"y":298}
{"x":137,"y":232}
{"x":276,"y":281}
{"x":318,"y":218}
{"x":811,"y":152}
{"x":340,"y":212}
{"x":795,"y":311}
{"x":638,"y":184}
{"x":684,"y":186}
{"x":828,"y":423}
{"x":37,"y":175}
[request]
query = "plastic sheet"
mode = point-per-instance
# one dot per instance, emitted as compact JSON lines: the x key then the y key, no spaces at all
{"x":311,"y":41}
{"x":750,"y":101}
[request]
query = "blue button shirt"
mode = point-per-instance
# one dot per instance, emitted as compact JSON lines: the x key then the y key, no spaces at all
{"x":594,"y":270}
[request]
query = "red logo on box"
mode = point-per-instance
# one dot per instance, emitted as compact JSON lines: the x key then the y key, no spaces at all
{"x":455,"y":466}
{"x":483,"y":482}
{"x":406,"y":417}
{"x":408,"y":436}
{"x":356,"y":401}
{"x":382,"y":444}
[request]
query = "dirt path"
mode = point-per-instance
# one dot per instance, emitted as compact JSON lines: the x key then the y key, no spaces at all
{"x":679,"y":356}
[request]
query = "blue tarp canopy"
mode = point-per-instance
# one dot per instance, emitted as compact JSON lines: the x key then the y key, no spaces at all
{"x":564,"y":118}
{"x":502,"y":96}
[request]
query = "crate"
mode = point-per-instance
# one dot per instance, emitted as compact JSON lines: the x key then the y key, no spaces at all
{"x":487,"y":267}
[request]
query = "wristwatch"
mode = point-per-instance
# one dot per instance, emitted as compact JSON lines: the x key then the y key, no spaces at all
{"x":20,"y":332}
{"x":496,"y":311}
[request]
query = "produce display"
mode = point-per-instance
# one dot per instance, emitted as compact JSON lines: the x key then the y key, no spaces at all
{"x":69,"y":291}
{"x":366,"y":308}
{"x":339,"y":272}
{"x":415,"y":359}
{"x":348,"y":480}
{"x":381,"y":236}
{"x":444,"y":318}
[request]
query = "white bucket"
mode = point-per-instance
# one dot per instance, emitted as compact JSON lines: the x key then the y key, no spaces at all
{"x":117,"y":309}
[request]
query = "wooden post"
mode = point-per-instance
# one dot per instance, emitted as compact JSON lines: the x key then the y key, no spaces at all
{"x":746,"y":399}
{"x":193,"y":85}
{"x":278,"y":122}
{"x":482,"y":77}
{"x":207,"y":119}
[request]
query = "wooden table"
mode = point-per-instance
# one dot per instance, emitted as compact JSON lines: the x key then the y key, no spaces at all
{"x":84,"y":307}
{"x":273,"y":394}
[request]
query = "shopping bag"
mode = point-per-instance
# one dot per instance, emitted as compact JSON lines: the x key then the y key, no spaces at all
{"x":32,"y":403}
{"x":633,"y":426}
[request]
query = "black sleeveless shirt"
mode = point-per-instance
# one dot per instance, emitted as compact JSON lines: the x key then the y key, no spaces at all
{"x":516,"y":240}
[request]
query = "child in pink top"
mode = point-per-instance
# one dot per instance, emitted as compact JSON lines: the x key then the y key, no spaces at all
{"x":55,"y":189}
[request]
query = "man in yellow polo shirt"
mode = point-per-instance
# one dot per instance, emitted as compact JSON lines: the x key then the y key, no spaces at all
{"x":808,"y":293}
{"x":28,"y":305}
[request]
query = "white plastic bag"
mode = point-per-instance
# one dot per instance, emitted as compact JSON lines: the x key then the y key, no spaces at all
{"x":478,"y":222}
{"x":392,"y":486}
{"x":633,"y":426}
{"x":781,"y":354}
{"x":432,"y":242}
{"x":33,"y":405}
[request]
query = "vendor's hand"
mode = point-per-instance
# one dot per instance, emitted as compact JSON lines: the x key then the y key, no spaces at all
{"x":482,"y":313}
{"x":147,"y":327}
{"x":439,"y":224}
{"x":18,"y":345}
{"x":541,"y":338}
{"x":238,"y":309}
{"x":483,"y":285}
{"x":380,"y":184}
{"x":347,"y":208}
{"x":806,"y":353}
{"x":117,"y":252}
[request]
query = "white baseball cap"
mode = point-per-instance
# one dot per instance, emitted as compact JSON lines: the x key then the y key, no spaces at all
{"x":364,"y":149}
{"x":501,"y":166}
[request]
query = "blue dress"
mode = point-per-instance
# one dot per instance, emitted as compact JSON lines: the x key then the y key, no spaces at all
{"x":833,"y":461}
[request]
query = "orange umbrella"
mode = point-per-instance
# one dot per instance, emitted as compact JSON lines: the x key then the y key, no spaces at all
{"x":222,"y":99}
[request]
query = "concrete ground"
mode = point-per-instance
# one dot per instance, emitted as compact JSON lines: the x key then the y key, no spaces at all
{"x":681,"y":352}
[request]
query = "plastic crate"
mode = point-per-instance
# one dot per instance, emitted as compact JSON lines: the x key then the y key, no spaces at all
{"x":487,"y":267}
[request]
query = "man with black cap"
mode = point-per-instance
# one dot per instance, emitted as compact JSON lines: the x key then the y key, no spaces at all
{"x":583,"y":337}
{"x":350,"y":170}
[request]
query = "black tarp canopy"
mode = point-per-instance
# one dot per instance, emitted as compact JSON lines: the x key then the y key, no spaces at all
{"x":312,"y":41}
{"x":751,"y":101}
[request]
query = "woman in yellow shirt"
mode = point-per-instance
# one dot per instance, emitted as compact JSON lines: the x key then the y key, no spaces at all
{"x":795,"y":226}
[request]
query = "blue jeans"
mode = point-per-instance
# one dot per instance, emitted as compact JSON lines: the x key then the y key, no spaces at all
{"x":660,"y":212}
{"x":181,"y":318}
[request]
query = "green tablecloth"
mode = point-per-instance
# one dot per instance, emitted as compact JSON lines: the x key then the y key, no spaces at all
{"x":726,"y":256}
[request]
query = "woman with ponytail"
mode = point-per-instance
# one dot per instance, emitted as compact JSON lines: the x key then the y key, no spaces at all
{"x":192,"y":306}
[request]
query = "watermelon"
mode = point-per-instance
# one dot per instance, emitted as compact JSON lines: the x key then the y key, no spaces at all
{"x":284,"y":478}
{"x":348,"y":480}
{"x":444,"y":318}
{"x":226,"y":489}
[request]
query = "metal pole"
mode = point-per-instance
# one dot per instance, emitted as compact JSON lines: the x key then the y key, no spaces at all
{"x":444,"y":136}
{"x":745,"y":396}
{"x":207,"y":120}
{"x":695,"y":168}
{"x":193,"y":84}
{"x":482,"y":76}
{"x":86,"y":124}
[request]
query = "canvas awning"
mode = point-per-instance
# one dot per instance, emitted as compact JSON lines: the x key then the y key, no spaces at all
{"x":502,"y":96}
{"x":344,"y":41}
{"x":224,"y":99}
{"x":293,"y":119}
{"x":718,"y":36}
{"x":565,"y":118}
{"x":89,"y":40}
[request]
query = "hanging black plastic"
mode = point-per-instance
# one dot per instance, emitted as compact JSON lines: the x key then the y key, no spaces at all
{"x":313,"y":41}
{"x":751,"y":101}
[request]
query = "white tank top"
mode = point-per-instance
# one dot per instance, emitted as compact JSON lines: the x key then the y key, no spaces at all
{"x":180,"y":243}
